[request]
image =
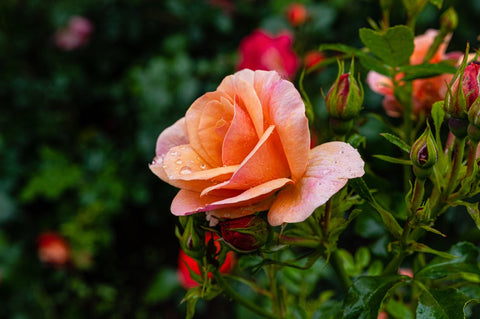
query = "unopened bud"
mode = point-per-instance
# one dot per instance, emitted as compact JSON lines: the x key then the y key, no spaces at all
{"x":458,"y":126}
{"x":246,"y":233}
{"x":296,"y":14}
{"x":449,"y":20}
{"x":344,"y":99}
{"x":424,"y":154}
{"x":192,"y":240}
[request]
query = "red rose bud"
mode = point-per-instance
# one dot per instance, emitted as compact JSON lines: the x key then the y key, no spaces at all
{"x":296,"y":14}
{"x":53,"y":249}
{"x":424,"y":154}
{"x":187,"y":265}
{"x":246,"y":233}
{"x":344,"y":99}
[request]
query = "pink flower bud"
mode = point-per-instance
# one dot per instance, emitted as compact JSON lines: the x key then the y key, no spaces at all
{"x":344,"y":99}
{"x":458,"y":101}
{"x":245,"y":233}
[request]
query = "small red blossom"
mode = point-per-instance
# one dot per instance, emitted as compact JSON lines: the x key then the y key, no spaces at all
{"x":185,"y":263}
{"x":75,"y":35}
{"x":245,"y":233}
{"x":53,"y":249}
{"x":262,"y":51}
{"x":312,"y":58}
{"x":296,"y":14}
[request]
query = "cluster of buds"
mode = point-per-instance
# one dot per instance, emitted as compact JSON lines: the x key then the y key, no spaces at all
{"x":424,"y":154}
{"x":344,"y":100}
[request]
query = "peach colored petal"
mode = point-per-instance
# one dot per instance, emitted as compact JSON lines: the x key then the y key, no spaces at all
{"x":183,"y":162}
{"x":172,"y":136}
{"x":189,"y":202}
{"x":379,"y":83}
{"x":237,"y":212}
{"x":240,"y":139}
{"x":265,"y":162}
{"x":202,"y":126}
{"x":287,"y":113}
{"x":250,"y":196}
{"x":330,"y":167}
{"x":247,"y":95}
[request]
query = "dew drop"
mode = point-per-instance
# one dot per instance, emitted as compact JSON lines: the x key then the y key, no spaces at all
{"x":203,"y":166}
{"x":185,"y":170}
{"x":174,"y":153}
{"x":178,"y":162}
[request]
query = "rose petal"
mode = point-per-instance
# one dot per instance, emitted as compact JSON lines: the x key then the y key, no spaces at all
{"x":188,"y":202}
{"x":237,"y":212}
{"x":202,"y":120}
{"x":287,"y":112}
{"x":240,"y":139}
{"x":330,"y":167}
{"x":183,"y":162}
{"x":379,"y":83}
{"x":265,"y":162}
{"x":172,"y":136}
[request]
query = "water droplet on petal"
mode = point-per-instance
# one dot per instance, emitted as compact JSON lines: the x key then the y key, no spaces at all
{"x":203,"y":166}
{"x":178,"y":162}
{"x":174,"y":153}
{"x":185,"y":170}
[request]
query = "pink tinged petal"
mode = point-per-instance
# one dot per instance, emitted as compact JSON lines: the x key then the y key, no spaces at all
{"x":183,"y":163}
{"x":330,"y":167}
{"x":287,"y":113}
{"x":379,"y":83}
{"x":198,"y":127}
{"x":237,"y":212}
{"x":172,"y":136}
{"x":250,"y":196}
{"x":189,"y":202}
{"x":241,"y":135}
{"x":266,"y":162}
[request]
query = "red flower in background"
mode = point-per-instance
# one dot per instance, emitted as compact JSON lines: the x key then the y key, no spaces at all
{"x":75,"y":35}
{"x":312,"y":58}
{"x":185,"y":263}
{"x":53,"y":249}
{"x":262,"y":51}
{"x":296,"y":14}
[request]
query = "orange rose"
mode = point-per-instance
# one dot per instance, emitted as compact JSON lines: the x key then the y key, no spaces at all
{"x":246,"y":148}
{"x":425,"y":91}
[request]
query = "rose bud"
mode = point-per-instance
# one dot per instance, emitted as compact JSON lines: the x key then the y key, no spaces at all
{"x":192,"y":238}
{"x":245,"y":233}
{"x":458,"y":101}
{"x":186,"y":264}
{"x":296,"y":14}
{"x":344,"y":99}
{"x":449,"y":20}
{"x":53,"y":249}
{"x":424,"y":154}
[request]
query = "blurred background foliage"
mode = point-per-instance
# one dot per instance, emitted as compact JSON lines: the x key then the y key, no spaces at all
{"x":78,"y":129}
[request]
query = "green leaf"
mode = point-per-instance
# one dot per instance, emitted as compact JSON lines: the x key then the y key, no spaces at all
{"x":368,"y":61}
{"x":397,"y":141}
{"x":394,"y":47}
{"x":426,"y":70}
{"x":474,"y":212}
{"x":442,"y":304}
{"x":398,"y":310}
{"x":366,"y":294}
{"x":438,"y":115}
{"x":393,"y":160}
{"x":425,"y":249}
{"x":162,"y":287}
{"x":361,"y":188}
{"x":465,"y":263}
